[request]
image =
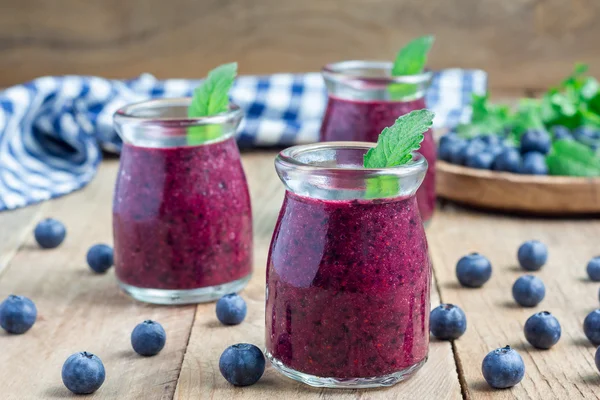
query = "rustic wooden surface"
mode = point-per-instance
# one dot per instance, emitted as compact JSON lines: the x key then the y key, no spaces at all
{"x":535,"y":194}
{"x":521,"y":43}
{"x":81,"y":311}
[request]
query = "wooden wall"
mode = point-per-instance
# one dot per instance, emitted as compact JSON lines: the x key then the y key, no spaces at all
{"x":521,"y":43}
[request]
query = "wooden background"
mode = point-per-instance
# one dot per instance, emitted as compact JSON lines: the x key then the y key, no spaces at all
{"x":523,"y":44}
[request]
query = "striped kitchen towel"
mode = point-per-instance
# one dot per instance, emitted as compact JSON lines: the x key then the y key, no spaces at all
{"x":52,"y":129}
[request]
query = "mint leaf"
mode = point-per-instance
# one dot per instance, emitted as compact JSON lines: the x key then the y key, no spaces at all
{"x":396,"y":143}
{"x":487,"y":118}
{"x":211,"y":98}
{"x":410,"y":60}
{"x":571,"y":158}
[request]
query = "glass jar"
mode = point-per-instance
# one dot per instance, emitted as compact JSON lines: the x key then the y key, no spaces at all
{"x":364,"y":98}
{"x":348,"y":273}
{"x":182,"y":220}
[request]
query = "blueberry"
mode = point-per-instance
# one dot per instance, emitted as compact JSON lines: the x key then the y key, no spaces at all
{"x":447,"y":321}
{"x":591,"y":326}
{"x":148,"y":338}
{"x":17,"y":314}
{"x":473,"y":148}
{"x":491,"y":140}
{"x":586,"y":134}
{"x":597,"y":358}
{"x":503,"y":368}
{"x":452,"y":151}
{"x":542,"y":330}
{"x":593,"y":269}
{"x":83,"y":373}
{"x":242,"y":364}
{"x":447,"y":138}
{"x":534,"y":163}
{"x":560,"y":133}
{"x":532,"y":255}
{"x":231,"y":309}
{"x":50,"y":233}
{"x":528,"y":290}
{"x":473,"y":270}
{"x":100,"y":258}
{"x":508,"y":160}
{"x":482,"y":160}
{"x":535,"y":140}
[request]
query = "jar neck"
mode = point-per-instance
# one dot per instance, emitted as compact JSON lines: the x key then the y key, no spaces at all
{"x":334,"y":171}
{"x":163,"y":123}
{"x":372,"y":81}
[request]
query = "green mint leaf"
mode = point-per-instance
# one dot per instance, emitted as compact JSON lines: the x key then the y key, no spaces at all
{"x":486,"y":118}
{"x":211,"y":98}
{"x":410,"y":60}
{"x":571,"y":158}
{"x":396,"y":143}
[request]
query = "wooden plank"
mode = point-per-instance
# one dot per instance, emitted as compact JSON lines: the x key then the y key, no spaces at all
{"x":566,"y":371}
{"x":14,"y":227}
{"x":81,"y":311}
{"x":200,"y":377}
{"x":521,"y":43}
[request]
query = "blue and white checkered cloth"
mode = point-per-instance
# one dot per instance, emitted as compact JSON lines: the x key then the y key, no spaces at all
{"x":52,"y":129}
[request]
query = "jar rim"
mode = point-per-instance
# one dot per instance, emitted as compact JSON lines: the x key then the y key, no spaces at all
{"x":341,"y":71}
{"x":289,"y":158}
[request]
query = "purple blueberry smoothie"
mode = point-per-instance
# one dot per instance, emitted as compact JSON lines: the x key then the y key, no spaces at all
{"x":348,"y":285}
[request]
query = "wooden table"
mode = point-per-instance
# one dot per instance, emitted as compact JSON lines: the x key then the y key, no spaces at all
{"x":82,"y":311}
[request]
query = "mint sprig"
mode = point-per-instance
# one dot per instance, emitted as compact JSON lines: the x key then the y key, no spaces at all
{"x":211,"y":98}
{"x":410,"y":60}
{"x":395,"y":146}
{"x":568,"y":157}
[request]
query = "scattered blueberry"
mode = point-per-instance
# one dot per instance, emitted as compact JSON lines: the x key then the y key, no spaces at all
{"x":231,"y":309}
{"x":560,"y":132}
{"x":542,"y":330}
{"x":532,"y":255}
{"x":148,"y":338}
{"x":100,"y":258}
{"x":49,"y":233}
{"x":17,"y":314}
{"x":534,"y":163}
{"x":535,"y":140}
{"x":593,"y":269}
{"x":83,"y":373}
{"x":528,"y":290}
{"x":473,"y":270}
{"x":242,"y":364}
{"x":509,"y":160}
{"x":481,"y":160}
{"x":447,"y":321}
{"x":503,"y":368}
{"x":591,"y":326}
{"x":597,"y":358}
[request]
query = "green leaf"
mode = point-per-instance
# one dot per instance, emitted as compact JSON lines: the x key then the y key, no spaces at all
{"x":396,"y":143}
{"x":410,"y":60}
{"x":487,"y":118}
{"x":571,"y":158}
{"x":211,"y":98}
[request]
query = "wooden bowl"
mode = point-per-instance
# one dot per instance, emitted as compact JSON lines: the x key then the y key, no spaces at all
{"x":531,"y":194}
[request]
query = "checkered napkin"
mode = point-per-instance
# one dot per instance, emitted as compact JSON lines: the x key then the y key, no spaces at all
{"x":52,"y":129}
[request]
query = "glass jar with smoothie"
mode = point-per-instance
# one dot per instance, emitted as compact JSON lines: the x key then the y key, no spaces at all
{"x":364,"y":98}
{"x":181,"y":214}
{"x":348,"y":274}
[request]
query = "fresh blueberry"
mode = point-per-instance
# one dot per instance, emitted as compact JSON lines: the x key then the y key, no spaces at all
{"x":560,"y":133}
{"x":593,"y":269}
{"x":534,"y":164}
{"x":509,"y":160}
{"x":535,"y":140}
{"x":148,"y":338}
{"x":473,"y":148}
{"x":17,"y":314}
{"x":491,"y":140}
{"x":482,"y":160}
{"x":586,"y":135}
{"x":452,"y":151}
{"x":447,"y":321}
{"x":447,"y":138}
{"x":83,"y":373}
{"x":242,"y":364}
{"x":231,"y":309}
{"x":528,"y":290}
{"x":542,"y":330}
{"x":495,"y":150}
{"x":597,"y":358}
{"x":591,"y":326}
{"x":473,"y":270}
{"x":532,"y":255}
{"x":100,"y":258}
{"x":503,"y":368}
{"x":50,"y":233}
